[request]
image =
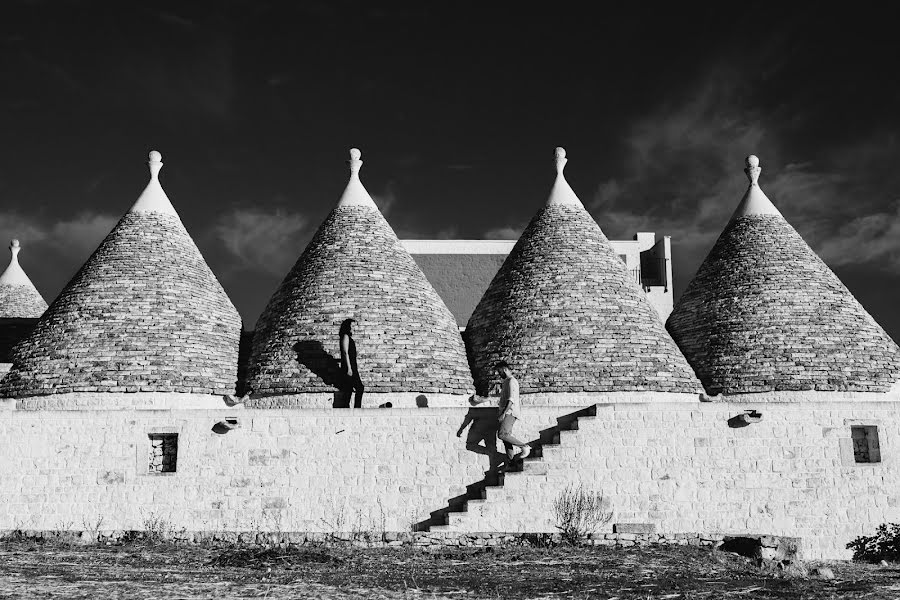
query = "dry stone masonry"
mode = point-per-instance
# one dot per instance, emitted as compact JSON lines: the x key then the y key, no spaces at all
{"x":764,"y":313}
{"x":20,"y":305}
{"x":355,"y":267}
{"x":19,"y":299}
{"x":566,"y":314}
{"x":144,"y":314}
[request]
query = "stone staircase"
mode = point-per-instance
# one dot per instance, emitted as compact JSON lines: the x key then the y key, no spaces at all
{"x":471,"y":511}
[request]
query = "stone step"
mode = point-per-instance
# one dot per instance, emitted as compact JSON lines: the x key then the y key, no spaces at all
{"x":505,"y":498}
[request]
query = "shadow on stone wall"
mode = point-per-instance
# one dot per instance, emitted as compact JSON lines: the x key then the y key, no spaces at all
{"x":482,"y":436}
{"x":244,"y":350}
{"x":312,"y":355}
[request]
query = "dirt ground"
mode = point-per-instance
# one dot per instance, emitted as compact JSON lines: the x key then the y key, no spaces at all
{"x":31,"y":569}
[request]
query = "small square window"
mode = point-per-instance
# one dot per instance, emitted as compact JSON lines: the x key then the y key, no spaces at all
{"x":866,"y":448}
{"x":163,"y":452}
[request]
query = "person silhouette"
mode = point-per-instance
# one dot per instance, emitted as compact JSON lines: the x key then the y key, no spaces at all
{"x":509,"y":411}
{"x":351,"y":381}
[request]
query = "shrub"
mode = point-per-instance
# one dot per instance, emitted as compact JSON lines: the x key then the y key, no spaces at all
{"x":884,"y":545}
{"x":579,"y":512}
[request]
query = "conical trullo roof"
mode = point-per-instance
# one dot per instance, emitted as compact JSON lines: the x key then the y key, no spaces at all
{"x":764,"y":313}
{"x":355,"y":267}
{"x":144,"y":314}
{"x":19,"y":299}
{"x":566,"y":314}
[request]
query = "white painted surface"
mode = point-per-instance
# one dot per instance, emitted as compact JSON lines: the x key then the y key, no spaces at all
{"x":458,"y":246}
{"x":562,"y":193}
{"x":677,"y":465}
{"x":154,"y":199}
{"x":626,"y":247}
{"x":14,"y":274}
{"x":755,"y":201}
{"x":355,"y":193}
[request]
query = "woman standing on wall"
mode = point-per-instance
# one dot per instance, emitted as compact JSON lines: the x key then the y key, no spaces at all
{"x":349,"y":369}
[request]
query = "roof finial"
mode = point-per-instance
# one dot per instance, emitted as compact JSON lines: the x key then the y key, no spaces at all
{"x":355,"y":193}
{"x":752,"y":169}
{"x":355,"y":162}
{"x":14,"y":248}
{"x":155,"y":163}
{"x":561,"y":159}
{"x":562,"y":192}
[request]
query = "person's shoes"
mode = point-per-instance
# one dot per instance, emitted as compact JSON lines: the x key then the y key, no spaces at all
{"x":526,"y":451}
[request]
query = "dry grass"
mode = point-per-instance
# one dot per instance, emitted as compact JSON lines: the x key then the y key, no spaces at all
{"x":33,"y":570}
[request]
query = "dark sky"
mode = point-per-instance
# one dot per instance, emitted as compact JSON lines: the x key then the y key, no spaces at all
{"x":457,"y":108}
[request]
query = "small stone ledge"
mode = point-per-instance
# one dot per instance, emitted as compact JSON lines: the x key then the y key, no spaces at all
{"x":321,"y":400}
{"x":805,"y":396}
{"x":423,"y":400}
{"x":121,"y":401}
{"x":427,"y":540}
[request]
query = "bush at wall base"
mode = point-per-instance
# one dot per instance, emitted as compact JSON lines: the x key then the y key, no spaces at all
{"x":884,"y":545}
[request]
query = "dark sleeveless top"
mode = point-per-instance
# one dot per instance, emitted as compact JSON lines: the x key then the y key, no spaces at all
{"x":351,"y":354}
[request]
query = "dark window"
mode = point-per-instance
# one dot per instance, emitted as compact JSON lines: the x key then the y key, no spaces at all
{"x":163,"y":452}
{"x":865,"y":443}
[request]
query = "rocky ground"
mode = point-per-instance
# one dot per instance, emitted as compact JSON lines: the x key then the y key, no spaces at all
{"x":32,"y":569}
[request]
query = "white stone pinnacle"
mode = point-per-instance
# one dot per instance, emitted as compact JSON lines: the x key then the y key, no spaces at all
{"x":355,"y":193}
{"x":14,"y":274}
{"x":154,"y":199}
{"x":562,"y":193}
{"x":755,"y":201}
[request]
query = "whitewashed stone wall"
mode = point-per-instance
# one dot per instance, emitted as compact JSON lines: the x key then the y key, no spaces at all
{"x":677,"y":465}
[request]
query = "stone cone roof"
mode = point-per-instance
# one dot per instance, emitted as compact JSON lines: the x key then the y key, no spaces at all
{"x":144,"y":313}
{"x":19,"y":299}
{"x":567,"y":315}
{"x":764,"y":313}
{"x":355,"y":267}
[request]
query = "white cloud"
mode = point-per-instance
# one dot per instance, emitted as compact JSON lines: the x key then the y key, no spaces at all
{"x":77,"y":236}
{"x":682,"y":176}
{"x":504,"y":233}
{"x":263,"y":240}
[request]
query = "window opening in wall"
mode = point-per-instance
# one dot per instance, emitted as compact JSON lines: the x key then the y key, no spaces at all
{"x":865,"y":443}
{"x":163,"y":452}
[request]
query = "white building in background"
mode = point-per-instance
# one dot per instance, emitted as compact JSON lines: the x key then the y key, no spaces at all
{"x":461,"y":270}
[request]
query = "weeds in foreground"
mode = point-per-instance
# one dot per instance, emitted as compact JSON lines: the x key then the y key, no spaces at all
{"x":157,"y":528}
{"x":579,"y":512}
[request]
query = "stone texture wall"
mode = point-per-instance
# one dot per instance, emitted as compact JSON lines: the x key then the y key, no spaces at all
{"x":566,"y":314}
{"x":21,"y":302}
{"x":678,"y":466}
{"x":144,"y":313}
{"x":355,"y":267}
{"x":765,"y":313}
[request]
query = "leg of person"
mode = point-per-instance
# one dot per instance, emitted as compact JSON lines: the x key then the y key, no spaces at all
{"x":510,"y":440}
{"x":359,"y":388}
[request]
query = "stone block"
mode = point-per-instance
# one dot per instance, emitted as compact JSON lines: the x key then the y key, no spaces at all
{"x":634,"y":528}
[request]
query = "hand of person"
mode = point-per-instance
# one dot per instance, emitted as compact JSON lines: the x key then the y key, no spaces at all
{"x":349,"y":372}
{"x":459,"y":432}
{"x":472,"y":400}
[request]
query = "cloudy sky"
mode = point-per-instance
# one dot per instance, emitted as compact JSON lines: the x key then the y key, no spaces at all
{"x":457,"y":109}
